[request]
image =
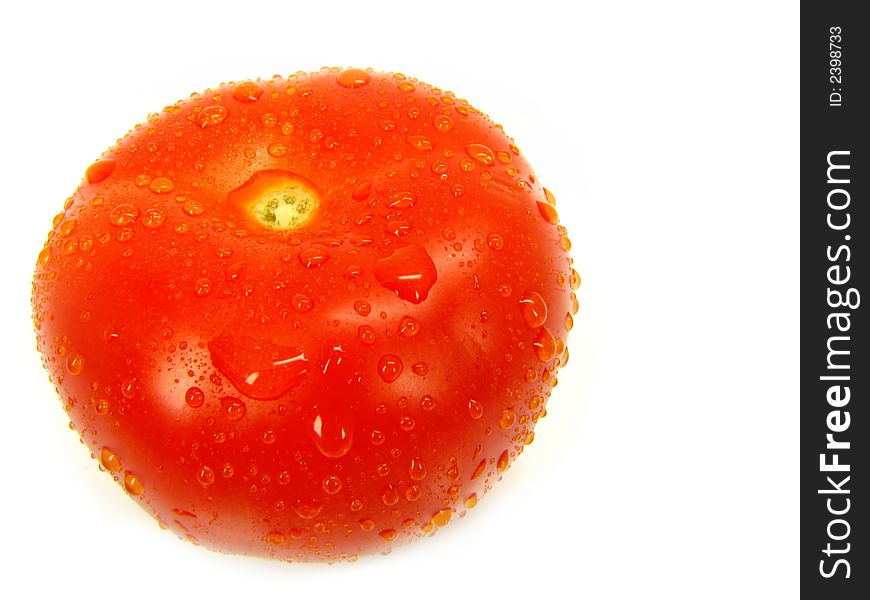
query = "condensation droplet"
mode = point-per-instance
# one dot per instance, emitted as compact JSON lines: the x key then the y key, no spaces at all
{"x":211,"y":115}
{"x":420,"y":142}
{"x":233,"y":408}
{"x":123,"y":215}
{"x":313,"y":257}
{"x":194,"y":397}
{"x":478,"y":471}
{"x":480,"y":153}
{"x":389,"y":495}
{"x":548,"y":211}
{"x":471,"y":501}
{"x":534,"y":309}
{"x":258,"y":369}
{"x":205,"y":475}
{"x":75,"y":363}
{"x":366,"y":334}
{"x":332,"y":432}
{"x":388,"y":534}
{"x":475,"y":409}
{"x":110,"y":460}
{"x":408,"y":327}
{"x":161,"y":185}
{"x":332,"y":485}
{"x":100,"y":170}
{"x":544,"y":345}
{"x":353,"y":78}
{"x":443,"y":123}
{"x":502,"y":463}
{"x":417,"y":469}
{"x":153,"y":218}
{"x":442,"y":517}
{"x":247,"y":91}
{"x":275,"y":537}
{"x":495,"y":241}
{"x":507,"y":419}
{"x":389,"y":367}
{"x":133,"y":484}
{"x":409,"y":272}
{"x":362,"y":308}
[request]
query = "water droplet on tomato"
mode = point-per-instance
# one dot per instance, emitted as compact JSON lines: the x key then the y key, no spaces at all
{"x":475,"y":409}
{"x":495,"y":241}
{"x":275,"y":537}
{"x":549,"y":213}
{"x":574,"y":279}
{"x":259,"y":370}
{"x":247,"y":91}
{"x":307,"y":508}
{"x":161,"y":185}
{"x":133,"y":484}
{"x":389,"y":495}
{"x":480,"y":153}
{"x":417,"y":469}
{"x":427,"y":403}
{"x":332,"y":485}
{"x":313,"y":257}
{"x":100,"y":170}
{"x":211,"y":115}
{"x":401,"y":200}
{"x":202,"y":287}
{"x":569,"y":322}
{"x":502,"y":463}
{"x":551,"y":199}
{"x":544,"y":345}
{"x":194,"y":397}
{"x":366,"y":524}
{"x":75,"y":363}
{"x":233,"y":408}
{"x":408,"y":327}
{"x":389,"y":367}
{"x":507,"y":419}
{"x":442,"y":517}
{"x":362,"y":191}
{"x":277,"y":149}
{"x":362,"y":308}
{"x":153,"y":218}
{"x":443,"y":123}
{"x":420,"y":142}
{"x":332,"y":431}
{"x":301,"y":303}
{"x":479,"y":469}
{"x":205,"y":475}
{"x":534,"y":309}
{"x":409,"y":272}
{"x":123,"y":214}
{"x":110,"y":460}
{"x":366,"y":334}
{"x":388,"y":534}
{"x":353,"y":78}
{"x":377,"y":437}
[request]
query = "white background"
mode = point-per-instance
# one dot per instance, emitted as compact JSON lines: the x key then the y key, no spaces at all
{"x":668,"y":464}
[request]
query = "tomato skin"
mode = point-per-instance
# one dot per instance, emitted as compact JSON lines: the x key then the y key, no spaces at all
{"x":325,"y":392}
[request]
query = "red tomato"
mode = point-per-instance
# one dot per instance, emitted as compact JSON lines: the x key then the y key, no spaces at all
{"x":308,"y":318}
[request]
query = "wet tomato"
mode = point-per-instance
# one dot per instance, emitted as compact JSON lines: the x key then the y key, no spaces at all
{"x":309,"y":318}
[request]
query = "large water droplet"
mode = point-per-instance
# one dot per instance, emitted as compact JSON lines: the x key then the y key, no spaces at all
{"x":353,"y":78}
{"x":211,"y":115}
{"x":480,"y":153}
{"x":100,"y":170}
{"x":534,"y":309}
{"x":544,"y":345}
{"x":123,"y":214}
{"x":332,"y":431}
{"x":417,"y":469}
{"x":133,"y":484}
{"x":409,"y":272}
{"x":475,"y":409}
{"x":110,"y":460}
{"x":233,"y":408}
{"x":442,"y":517}
{"x":247,"y":91}
{"x":389,"y":367}
{"x":260,"y":370}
